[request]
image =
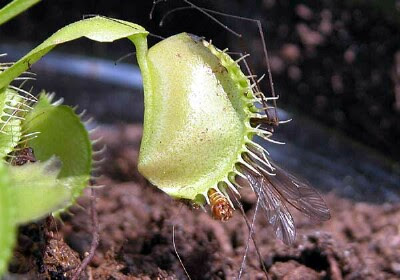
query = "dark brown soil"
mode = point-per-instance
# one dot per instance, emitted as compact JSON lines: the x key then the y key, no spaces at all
{"x":361,"y":241}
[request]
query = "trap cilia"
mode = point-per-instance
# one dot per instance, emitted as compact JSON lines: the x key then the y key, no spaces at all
{"x":202,"y":116}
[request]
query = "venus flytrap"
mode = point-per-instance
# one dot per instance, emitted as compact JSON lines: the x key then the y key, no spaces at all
{"x":201,"y":116}
{"x":61,"y":133}
{"x":54,"y":181}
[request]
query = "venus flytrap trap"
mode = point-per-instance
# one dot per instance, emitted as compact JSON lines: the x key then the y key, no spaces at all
{"x":53,"y":131}
{"x":34,"y":186}
{"x":51,"y":180}
{"x":201,"y":117}
{"x":61,"y":133}
{"x":48,"y":182}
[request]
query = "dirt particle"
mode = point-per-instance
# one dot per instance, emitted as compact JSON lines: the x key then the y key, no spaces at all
{"x":290,"y":53}
{"x":304,"y":12}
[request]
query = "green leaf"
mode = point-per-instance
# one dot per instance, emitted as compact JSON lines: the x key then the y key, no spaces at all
{"x":36,"y":190}
{"x":7,"y":224}
{"x":61,"y":134}
{"x":97,"y":28}
{"x":14,"y":8}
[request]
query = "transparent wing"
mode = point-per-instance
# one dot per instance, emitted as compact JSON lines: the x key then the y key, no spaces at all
{"x":275,"y":187}
{"x":295,"y":191}
{"x":299,"y":194}
{"x":274,"y":208}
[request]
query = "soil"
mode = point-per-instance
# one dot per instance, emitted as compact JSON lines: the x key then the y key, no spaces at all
{"x":136,"y":220}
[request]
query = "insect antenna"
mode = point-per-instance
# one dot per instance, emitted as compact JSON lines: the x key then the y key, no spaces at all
{"x":204,"y":11}
{"x":167,"y":14}
{"x":155,"y":3}
{"x":122,"y":58}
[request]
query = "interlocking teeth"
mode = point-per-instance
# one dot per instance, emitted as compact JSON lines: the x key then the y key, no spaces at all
{"x":253,"y":157}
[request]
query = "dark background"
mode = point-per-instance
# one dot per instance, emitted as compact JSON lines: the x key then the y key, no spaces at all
{"x":337,"y":62}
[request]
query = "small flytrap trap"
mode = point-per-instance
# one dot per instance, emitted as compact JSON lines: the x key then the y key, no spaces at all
{"x":205,"y":127}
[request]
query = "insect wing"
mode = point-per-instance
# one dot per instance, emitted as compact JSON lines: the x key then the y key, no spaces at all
{"x":299,"y":194}
{"x":274,"y":208}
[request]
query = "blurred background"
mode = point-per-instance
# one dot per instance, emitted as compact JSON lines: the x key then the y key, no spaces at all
{"x":336,"y":67}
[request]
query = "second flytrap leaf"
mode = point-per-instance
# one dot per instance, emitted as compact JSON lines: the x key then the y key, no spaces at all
{"x":62,"y":134}
{"x":36,"y":191}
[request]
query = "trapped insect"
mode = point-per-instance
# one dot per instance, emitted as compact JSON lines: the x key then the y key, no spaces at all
{"x":220,"y":206}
